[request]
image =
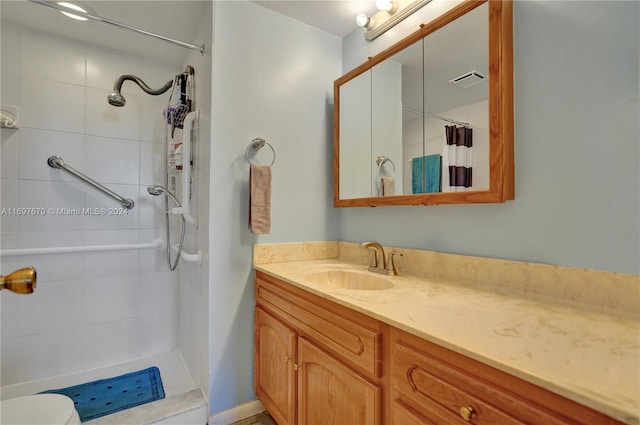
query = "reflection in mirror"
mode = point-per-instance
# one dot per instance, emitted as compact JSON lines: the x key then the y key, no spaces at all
{"x":456,"y":95}
{"x":396,"y":88}
{"x":355,"y":126}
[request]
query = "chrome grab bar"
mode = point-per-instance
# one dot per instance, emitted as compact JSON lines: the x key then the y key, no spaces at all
{"x":57,"y":162}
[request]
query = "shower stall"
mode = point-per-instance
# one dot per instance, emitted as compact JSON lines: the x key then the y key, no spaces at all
{"x":107,"y":302}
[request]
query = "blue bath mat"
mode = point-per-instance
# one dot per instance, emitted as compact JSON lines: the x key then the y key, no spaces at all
{"x":105,"y":396}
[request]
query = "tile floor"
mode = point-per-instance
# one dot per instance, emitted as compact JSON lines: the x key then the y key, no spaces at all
{"x":259,"y":419}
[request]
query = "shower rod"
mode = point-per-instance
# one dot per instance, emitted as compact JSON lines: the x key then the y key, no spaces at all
{"x":97,"y":18}
{"x":440,"y":117}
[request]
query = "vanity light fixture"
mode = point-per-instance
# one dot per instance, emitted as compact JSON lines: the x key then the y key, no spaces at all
{"x":364,"y":21}
{"x":390,"y":13}
{"x":387,"y":5}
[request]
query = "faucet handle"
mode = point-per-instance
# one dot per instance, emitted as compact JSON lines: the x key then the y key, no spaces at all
{"x":391,"y":264}
{"x":374,"y":257}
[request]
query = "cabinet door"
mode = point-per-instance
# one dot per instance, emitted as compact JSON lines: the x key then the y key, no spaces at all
{"x":274,"y":356}
{"x":330,"y":393}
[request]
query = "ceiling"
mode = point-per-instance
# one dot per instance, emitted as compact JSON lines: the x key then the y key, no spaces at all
{"x":337,"y":17}
{"x":172,"y":18}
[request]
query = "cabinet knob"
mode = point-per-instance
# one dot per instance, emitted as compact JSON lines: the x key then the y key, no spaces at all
{"x":296,"y":367}
{"x":286,"y":358}
{"x":467,"y":412}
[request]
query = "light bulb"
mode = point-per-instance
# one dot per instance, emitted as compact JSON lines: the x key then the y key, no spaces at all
{"x":385,"y":5}
{"x":364,"y":21}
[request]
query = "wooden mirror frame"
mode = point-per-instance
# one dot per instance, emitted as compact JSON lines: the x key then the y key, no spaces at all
{"x":501,"y":147}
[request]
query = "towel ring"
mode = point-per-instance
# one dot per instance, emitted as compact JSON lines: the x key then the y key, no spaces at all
{"x":257,"y":144}
{"x":380,"y":160}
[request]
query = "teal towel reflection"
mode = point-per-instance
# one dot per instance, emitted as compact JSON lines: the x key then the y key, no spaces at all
{"x":425,"y":174}
{"x":416,"y":175}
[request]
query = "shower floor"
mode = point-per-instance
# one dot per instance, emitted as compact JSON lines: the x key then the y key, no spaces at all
{"x":183,"y":404}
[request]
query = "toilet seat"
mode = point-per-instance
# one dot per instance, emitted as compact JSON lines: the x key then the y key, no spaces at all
{"x":39,"y":409}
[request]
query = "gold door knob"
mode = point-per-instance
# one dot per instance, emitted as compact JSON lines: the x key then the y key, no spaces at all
{"x":467,"y":412}
{"x":286,"y":358}
{"x":296,"y":367}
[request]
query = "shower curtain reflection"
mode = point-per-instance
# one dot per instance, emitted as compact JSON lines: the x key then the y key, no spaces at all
{"x":457,"y":159}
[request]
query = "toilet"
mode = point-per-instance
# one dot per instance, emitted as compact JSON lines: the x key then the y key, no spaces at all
{"x":39,"y":409}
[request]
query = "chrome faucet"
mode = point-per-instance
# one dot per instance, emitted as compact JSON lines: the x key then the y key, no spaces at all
{"x":388,"y":264}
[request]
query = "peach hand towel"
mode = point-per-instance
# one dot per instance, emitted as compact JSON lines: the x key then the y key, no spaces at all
{"x":260,"y":199}
{"x":388,"y":185}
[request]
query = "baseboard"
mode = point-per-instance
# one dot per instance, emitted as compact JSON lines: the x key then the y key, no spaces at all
{"x":237,"y":413}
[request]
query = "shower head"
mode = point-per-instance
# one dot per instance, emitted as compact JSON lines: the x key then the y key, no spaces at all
{"x":116,"y":98}
{"x":157,"y":190}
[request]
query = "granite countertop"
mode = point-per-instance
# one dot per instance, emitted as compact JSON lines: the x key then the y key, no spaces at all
{"x":587,"y":356}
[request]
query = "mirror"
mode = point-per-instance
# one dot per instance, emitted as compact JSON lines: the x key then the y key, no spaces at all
{"x":430,"y":120}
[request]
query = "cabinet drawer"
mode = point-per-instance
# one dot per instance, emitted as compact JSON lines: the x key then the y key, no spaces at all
{"x":405,"y":415}
{"x":425,"y":383}
{"x":353,"y":337}
{"x":437,"y":382}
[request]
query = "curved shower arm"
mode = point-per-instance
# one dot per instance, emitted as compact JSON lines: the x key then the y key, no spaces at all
{"x":117,"y":86}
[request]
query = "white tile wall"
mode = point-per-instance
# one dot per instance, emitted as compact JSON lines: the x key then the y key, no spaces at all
{"x":10,"y":148}
{"x":113,"y":160}
{"x":36,"y":146}
{"x":51,"y":105}
{"x":10,"y":44}
{"x":104,"y":66}
{"x":52,"y":58}
{"x":89,"y":309}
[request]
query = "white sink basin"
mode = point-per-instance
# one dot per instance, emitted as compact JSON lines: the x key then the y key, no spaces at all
{"x":350,"y":279}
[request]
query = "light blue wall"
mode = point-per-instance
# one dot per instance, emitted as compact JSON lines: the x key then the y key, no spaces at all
{"x":272,"y":78}
{"x":577,"y":147}
{"x":577,"y":151}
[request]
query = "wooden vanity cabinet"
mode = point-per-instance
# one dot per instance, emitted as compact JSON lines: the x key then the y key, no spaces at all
{"x":320,"y":363}
{"x":316,"y":362}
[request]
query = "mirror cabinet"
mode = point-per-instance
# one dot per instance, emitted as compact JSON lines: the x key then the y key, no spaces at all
{"x":430,"y":119}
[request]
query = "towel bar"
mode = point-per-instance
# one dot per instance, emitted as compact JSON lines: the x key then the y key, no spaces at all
{"x":257,"y":144}
{"x":381,"y":160}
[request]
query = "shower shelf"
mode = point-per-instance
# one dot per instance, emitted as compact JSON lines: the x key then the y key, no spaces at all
{"x":157,"y":244}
